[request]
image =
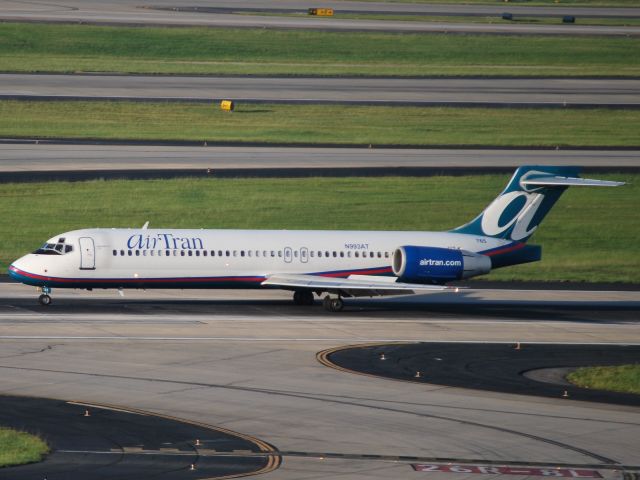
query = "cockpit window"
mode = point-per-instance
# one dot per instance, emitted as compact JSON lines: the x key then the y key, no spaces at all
{"x":54,"y":248}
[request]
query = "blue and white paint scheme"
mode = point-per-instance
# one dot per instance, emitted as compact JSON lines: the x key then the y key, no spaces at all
{"x":339,"y":263}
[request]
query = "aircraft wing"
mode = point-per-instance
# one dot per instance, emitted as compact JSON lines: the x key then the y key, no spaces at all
{"x":352,"y":286}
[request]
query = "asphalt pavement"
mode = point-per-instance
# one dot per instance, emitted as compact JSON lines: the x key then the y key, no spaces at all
{"x":35,"y":161}
{"x":159,"y":12}
{"x":246,"y":361}
{"x":551,"y":92}
{"x":104,"y":441}
{"x":507,"y":368}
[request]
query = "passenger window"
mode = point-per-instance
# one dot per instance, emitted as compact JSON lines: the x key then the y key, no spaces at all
{"x":190,"y":253}
{"x":248,"y":253}
{"x":122,"y":252}
{"x":235,"y":253}
{"x":349,"y":254}
{"x":295,"y":253}
{"x":159,"y":253}
{"x":371,"y":254}
{"x":197,"y":253}
{"x":311,"y":253}
{"x":182,"y":253}
{"x":326,"y":254}
{"x":115,"y":253}
{"x":242,"y":253}
{"x":280,"y":253}
{"x":273,"y":254}
{"x":257,"y":253}
{"x":151,"y":252}
{"x":228,"y":253}
{"x":204,"y":252}
{"x":213,"y":253}
{"x":335,"y":254}
{"x":386,"y":254}
{"x":129,"y":252}
{"x":341,"y":254}
{"x":357,"y":254}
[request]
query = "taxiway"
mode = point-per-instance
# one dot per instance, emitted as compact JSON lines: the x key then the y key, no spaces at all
{"x":558,"y":92}
{"x":246,"y":361}
{"x":162,"y":12}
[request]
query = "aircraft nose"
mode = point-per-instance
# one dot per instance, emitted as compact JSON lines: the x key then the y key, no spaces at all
{"x":16,"y":268}
{"x":13,"y":270}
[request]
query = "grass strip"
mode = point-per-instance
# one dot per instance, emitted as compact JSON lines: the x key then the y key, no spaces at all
{"x":320,"y":124}
{"x":18,"y":448}
{"x":623,"y":378}
{"x":590,"y":236}
{"x":189,"y":50}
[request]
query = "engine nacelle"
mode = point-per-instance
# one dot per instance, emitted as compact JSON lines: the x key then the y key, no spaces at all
{"x":415,"y":264}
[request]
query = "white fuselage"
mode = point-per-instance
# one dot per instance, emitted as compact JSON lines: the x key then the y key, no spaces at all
{"x":171,"y":258}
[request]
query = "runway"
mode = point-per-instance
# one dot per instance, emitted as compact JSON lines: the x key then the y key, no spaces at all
{"x":246,"y":361}
{"x":43,"y":161}
{"x":133,"y":13}
{"x":557,"y":92}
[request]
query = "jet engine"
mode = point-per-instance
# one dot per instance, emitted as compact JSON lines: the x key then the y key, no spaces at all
{"x":415,"y":264}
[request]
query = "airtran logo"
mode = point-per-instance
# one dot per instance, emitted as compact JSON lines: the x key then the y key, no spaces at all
{"x":430,"y":262}
{"x":513,"y":209}
{"x":164,"y":240}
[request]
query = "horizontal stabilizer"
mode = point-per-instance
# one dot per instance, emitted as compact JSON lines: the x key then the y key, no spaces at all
{"x":550,"y":181}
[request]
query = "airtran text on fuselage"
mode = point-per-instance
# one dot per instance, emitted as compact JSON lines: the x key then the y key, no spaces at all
{"x":164,"y":240}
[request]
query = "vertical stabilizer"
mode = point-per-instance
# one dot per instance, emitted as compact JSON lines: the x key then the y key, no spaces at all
{"x":516,"y":213}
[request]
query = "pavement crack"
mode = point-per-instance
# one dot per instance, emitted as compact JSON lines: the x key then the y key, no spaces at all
{"x":31,"y":352}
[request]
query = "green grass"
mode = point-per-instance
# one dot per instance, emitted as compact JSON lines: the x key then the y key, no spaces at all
{"x":591,"y":235}
{"x":18,"y":448}
{"x":624,"y":378}
{"x":321,"y":124}
{"x":82,"y":48}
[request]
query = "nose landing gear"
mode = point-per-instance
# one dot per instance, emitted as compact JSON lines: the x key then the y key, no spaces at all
{"x":45,"y":299}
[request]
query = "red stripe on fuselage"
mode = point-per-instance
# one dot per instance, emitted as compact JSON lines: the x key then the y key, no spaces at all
{"x":507,"y":249}
{"x":256,"y":279}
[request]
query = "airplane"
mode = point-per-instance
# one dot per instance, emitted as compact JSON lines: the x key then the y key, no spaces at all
{"x":341,"y":264}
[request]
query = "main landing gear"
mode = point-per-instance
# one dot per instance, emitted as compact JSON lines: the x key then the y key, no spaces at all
{"x":333,"y":304}
{"x":330,"y":303}
{"x":45,"y":299}
{"x":303,"y":297}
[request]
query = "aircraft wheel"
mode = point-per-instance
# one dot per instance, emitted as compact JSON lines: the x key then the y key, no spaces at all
{"x":44,"y":300}
{"x":333,"y":304}
{"x":303,"y":297}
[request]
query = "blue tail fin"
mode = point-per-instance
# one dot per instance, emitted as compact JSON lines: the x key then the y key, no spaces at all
{"x":516,"y":213}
